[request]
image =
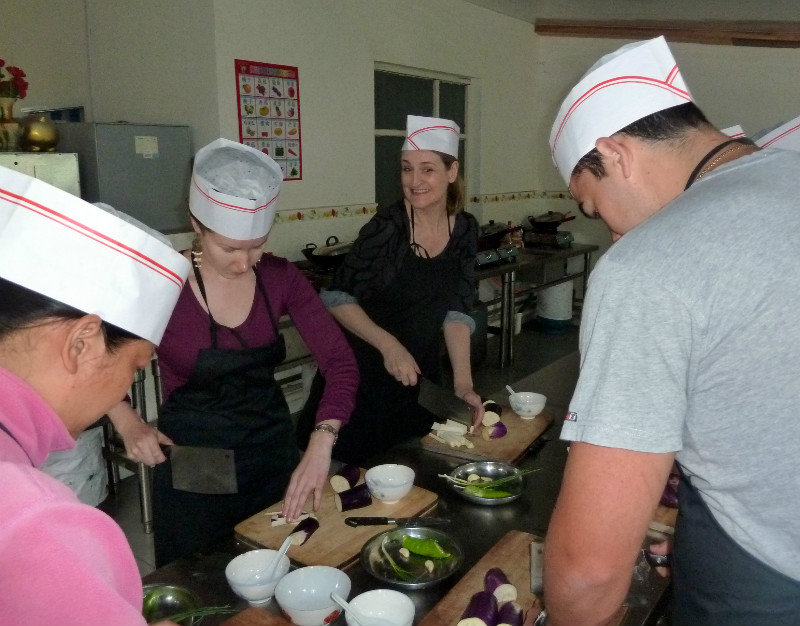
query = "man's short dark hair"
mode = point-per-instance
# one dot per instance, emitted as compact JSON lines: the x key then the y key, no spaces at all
{"x":664,"y":125}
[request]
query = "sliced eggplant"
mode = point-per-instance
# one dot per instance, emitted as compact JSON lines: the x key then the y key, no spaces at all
{"x":510,"y":614}
{"x":304,"y":530}
{"x":496,"y":582}
{"x":491,"y":413}
{"x":354,"y":498}
{"x":346,"y":478}
{"x":495,"y":431}
{"x":481,"y":610}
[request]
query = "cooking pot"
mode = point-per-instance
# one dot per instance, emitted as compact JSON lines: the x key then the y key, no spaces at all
{"x":330,"y":256}
{"x":549,"y":222}
{"x":491,"y":235}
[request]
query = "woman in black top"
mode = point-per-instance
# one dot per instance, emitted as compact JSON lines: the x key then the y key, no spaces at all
{"x":408,"y":277}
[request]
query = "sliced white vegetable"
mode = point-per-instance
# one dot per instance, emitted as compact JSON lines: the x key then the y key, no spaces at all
{"x":404,"y":553}
{"x":489,"y":418}
{"x":429,"y":565}
{"x":473,"y":477}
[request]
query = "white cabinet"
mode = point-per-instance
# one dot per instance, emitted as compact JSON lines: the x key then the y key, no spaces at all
{"x":59,"y":169}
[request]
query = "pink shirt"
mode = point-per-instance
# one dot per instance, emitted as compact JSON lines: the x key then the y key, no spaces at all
{"x":61,"y":562}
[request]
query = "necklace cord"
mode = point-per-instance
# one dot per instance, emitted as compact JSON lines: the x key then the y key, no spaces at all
{"x":699,"y":171}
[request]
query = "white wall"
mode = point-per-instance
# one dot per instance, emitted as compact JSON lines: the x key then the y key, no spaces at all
{"x":172,"y":62}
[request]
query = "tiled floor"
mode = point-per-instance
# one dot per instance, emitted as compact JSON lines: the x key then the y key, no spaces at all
{"x":544,"y":363}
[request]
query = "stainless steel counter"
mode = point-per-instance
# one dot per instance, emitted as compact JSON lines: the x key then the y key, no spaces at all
{"x":477,"y":527}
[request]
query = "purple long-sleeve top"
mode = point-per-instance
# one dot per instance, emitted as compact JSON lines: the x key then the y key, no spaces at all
{"x":289,"y":292}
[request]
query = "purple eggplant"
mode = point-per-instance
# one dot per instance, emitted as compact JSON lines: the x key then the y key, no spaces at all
{"x":491,"y":413}
{"x":346,"y":478}
{"x":510,"y":614}
{"x":496,"y":582}
{"x":354,"y":498}
{"x":481,"y":610}
{"x":304,"y":530}
{"x":669,"y":497}
{"x":495,"y":431}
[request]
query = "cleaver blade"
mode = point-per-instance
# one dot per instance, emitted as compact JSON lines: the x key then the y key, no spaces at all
{"x":202,"y":470}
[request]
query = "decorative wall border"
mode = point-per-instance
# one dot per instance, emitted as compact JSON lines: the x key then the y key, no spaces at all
{"x":358,"y":210}
{"x":514,"y":196}
{"x":320,"y":213}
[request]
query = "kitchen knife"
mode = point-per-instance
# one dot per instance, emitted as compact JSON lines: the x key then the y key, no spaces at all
{"x":400,"y":521}
{"x":202,"y":470}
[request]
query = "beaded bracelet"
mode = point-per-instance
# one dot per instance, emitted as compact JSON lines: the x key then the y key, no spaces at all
{"x":327,"y":428}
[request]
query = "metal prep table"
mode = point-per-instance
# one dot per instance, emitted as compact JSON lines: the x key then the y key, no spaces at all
{"x":530,"y":260}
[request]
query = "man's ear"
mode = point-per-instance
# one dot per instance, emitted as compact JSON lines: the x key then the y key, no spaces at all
{"x":84,"y":340}
{"x":616,"y":153}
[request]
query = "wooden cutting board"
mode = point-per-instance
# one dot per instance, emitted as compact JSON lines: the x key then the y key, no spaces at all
{"x":334,"y":543}
{"x":253,"y":616}
{"x":512,"y":555}
{"x":511,"y":448}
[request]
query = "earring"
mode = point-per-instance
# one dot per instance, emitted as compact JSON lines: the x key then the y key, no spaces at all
{"x":197,"y":253}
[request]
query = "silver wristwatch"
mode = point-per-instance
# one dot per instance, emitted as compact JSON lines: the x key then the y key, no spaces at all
{"x":541,"y":620}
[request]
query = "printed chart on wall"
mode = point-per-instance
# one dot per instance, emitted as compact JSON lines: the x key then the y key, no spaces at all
{"x":269,"y":113}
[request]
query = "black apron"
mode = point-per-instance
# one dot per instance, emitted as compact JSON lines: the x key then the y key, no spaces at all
{"x":231,"y":400}
{"x":716,"y":582}
{"x":412,"y":308}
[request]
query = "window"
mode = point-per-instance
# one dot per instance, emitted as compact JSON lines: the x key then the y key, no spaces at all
{"x":400,"y":92}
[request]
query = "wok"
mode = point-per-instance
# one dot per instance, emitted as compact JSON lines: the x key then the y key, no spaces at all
{"x":329,"y":256}
{"x":549,"y":222}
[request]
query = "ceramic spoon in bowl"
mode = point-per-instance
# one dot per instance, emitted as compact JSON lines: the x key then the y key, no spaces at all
{"x":510,"y":390}
{"x":267,"y":574}
{"x":360,"y":617}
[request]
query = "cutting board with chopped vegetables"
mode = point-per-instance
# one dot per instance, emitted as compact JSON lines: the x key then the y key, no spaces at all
{"x":520,"y":435}
{"x":334,"y":543}
{"x":512,"y":555}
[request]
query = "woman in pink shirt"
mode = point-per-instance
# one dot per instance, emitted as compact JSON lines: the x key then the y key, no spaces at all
{"x":71,"y":338}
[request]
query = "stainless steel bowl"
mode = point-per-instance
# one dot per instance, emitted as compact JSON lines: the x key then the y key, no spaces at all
{"x":493,"y":470}
{"x":160,"y":601}
{"x":374,"y":557}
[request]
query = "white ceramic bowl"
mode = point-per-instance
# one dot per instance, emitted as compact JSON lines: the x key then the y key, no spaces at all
{"x":242,"y":574}
{"x":389,"y":482}
{"x":527,"y":404}
{"x":391,"y":605}
{"x":304,"y":595}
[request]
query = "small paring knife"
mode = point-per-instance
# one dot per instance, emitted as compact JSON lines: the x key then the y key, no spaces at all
{"x":399,"y":521}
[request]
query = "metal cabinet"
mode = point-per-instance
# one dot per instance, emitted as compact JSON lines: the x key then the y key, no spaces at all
{"x":59,"y":169}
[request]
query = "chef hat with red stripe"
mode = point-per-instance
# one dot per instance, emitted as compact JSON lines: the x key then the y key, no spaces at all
{"x":734,"y":132}
{"x":234,"y":189}
{"x":431,"y":133}
{"x":92,"y":259}
{"x":785,"y":136}
{"x":637,"y":80}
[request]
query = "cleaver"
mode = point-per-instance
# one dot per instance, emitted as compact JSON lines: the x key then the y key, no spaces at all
{"x":202,"y":470}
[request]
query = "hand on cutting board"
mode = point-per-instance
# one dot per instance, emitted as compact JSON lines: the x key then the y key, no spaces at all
{"x":400,"y":364}
{"x":533,"y":612}
{"x":309,"y":476}
{"x":475,"y":406}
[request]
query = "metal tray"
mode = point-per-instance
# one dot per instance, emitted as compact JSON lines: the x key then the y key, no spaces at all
{"x":490,"y":469}
{"x":375,"y":562}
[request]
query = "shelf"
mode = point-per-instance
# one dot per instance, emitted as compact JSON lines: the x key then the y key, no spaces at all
{"x":731,"y":33}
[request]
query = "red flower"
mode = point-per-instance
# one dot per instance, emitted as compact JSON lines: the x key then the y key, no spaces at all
{"x":15,"y":85}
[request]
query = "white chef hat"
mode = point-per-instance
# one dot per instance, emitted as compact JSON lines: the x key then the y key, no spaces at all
{"x":637,"y":80}
{"x":431,"y":133}
{"x":735,"y":132}
{"x":786,"y":136}
{"x":234,"y":189}
{"x":81,"y":255}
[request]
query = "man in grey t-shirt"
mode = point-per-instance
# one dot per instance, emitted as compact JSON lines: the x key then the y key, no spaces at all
{"x":690,"y":351}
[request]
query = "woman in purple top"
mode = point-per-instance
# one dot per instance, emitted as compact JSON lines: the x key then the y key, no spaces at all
{"x":218,"y":357}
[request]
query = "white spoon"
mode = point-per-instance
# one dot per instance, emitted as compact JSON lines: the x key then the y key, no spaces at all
{"x":267,"y":574}
{"x":360,"y":617}
{"x":510,"y":390}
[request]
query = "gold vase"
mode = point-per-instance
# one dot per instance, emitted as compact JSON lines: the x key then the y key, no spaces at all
{"x":9,"y":127}
{"x":39,"y":134}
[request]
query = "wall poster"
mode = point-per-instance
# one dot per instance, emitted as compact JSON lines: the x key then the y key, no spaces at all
{"x":269,"y":113}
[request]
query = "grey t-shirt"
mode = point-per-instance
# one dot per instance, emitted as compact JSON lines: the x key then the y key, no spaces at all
{"x":690,"y":342}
